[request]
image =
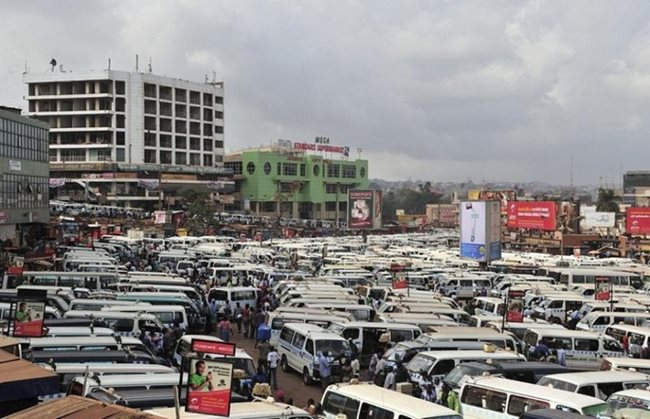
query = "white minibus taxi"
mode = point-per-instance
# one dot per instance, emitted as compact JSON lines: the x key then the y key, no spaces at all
{"x":470,"y":334}
{"x":299,"y":345}
{"x":363,"y":401}
{"x":582,"y":349}
{"x":629,"y":404}
{"x":598,"y":321}
{"x":638,"y":338}
{"x":500,"y":398}
{"x":599,"y":384}
{"x":277,"y":320}
{"x":626,"y":364}
{"x":169,"y":315}
{"x":367,"y":335}
{"x":439,"y":363}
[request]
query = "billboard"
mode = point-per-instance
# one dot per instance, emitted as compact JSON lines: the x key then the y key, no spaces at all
{"x":534,"y":215}
{"x":208,"y":387}
{"x":637,"y":220}
{"x":596,"y":219}
{"x":29,"y":319}
{"x":378,"y":209}
{"x":480,"y":230}
{"x":361,"y":208}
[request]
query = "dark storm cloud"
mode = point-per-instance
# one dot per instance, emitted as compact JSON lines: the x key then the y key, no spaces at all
{"x":441,"y":90}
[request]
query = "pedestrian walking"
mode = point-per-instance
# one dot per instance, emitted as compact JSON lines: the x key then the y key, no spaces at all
{"x":273,"y":359}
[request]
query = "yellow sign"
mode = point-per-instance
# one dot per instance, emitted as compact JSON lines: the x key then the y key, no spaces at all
{"x":474,"y":194}
{"x":181,"y":232}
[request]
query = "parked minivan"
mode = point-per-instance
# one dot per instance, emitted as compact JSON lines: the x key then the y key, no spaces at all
{"x":367,"y":335}
{"x":169,"y":316}
{"x":234,"y":295}
{"x":440,"y":363}
{"x":495,"y":397}
{"x":299,"y":345}
{"x":582,"y":349}
{"x":599,"y":384}
{"x":123,"y":323}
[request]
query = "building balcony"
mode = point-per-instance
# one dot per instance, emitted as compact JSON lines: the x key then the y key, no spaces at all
{"x":69,"y":96}
{"x":80,"y":146}
{"x":70,"y":113}
{"x":81,"y":129}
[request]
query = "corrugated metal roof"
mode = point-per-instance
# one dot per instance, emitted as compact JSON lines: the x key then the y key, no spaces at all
{"x":75,"y":407}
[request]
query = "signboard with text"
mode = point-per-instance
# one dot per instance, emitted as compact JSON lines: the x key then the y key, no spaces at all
{"x":637,"y":220}
{"x":209,"y":387}
{"x":603,"y":288}
{"x":211,"y":347}
{"x":534,"y":215}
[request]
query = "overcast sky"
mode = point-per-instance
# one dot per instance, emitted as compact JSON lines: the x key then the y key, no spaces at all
{"x":437,"y":90}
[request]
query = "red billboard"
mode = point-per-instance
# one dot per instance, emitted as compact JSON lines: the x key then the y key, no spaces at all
{"x":637,"y":220}
{"x":212,"y":347}
{"x":535,"y":215}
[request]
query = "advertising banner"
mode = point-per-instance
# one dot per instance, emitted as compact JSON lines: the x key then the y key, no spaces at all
{"x":160,"y":217}
{"x":29,"y":319}
{"x":400,"y":281}
{"x":378,"y":208}
{"x":472,"y":230}
{"x":208,"y":388}
{"x":480,"y":230}
{"x":16,"y":265}
{"x":361,"y":208}
{"x":515,"y":313}
{"x":503,"y":196}
{"x":603,"y":289}
{"x":534,"y":215}
{"x":211,"y":347}
{"x":149,"y":184}
{"x":596,"y":219}
{"x":637,"y":220}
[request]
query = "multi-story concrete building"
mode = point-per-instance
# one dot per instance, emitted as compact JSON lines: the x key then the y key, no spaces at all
{"x":24,"y":175}
{"x":636,"y":188}
{"x":111,"y":129}
{"x":289,"y":182}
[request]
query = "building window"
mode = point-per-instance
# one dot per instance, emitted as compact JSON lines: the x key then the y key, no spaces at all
{"x":165,"y":141}
{"x":302,"y":169}
{"x":181,"y":143}
{"x":149,"y":139}
{"x":330,"y":206}
{"x":195,"y":159}
{"x":207,"y":144}
{"x":330,"y":188}
{"x":362,"y":172}
{"x":120,"y":155}
{"x":181,"y":158}
{"x":207,"y":160}
{"x":278,"y":168}
{"x":195,"y":144}
{"x":218,"y":144}
{"x":286,"y":187}
{"x":290,"y":169}
{"x":267,"y":168}
{"x":149,"y":156}
{"x":333,"y":170}
{"x":250,"y":168}
{"x":316,"y":170}
{"x":119,"y":87}
{"x":268,"y":206}
{"x":349,"y":171}
{"x":165,"y":157}
{"x":235,"y":166}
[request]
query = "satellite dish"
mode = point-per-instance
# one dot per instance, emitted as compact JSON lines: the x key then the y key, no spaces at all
{"x":53,"y":63}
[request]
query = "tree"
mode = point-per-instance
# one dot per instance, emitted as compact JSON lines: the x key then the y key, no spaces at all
{"x":200,"y":211}
{"x":607,"y":201}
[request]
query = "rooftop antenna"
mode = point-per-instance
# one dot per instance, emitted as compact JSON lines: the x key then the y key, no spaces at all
{"x":137,"y":62}
{"x":52,"y":64}
{"x":206,"y":79}
{"x":26,"y":68}
{"x":214,"y":76}
{"x":61,"y":68}
{"x":149,"y":67}
{"x":571,"y":174}
{"x":109,"y":63}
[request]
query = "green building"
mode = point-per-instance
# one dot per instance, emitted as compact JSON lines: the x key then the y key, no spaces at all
{"x":291,"y":183}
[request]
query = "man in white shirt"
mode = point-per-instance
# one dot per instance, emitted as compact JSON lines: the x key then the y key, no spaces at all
{"x":389,"y":381}
{"x":273,"y":358}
